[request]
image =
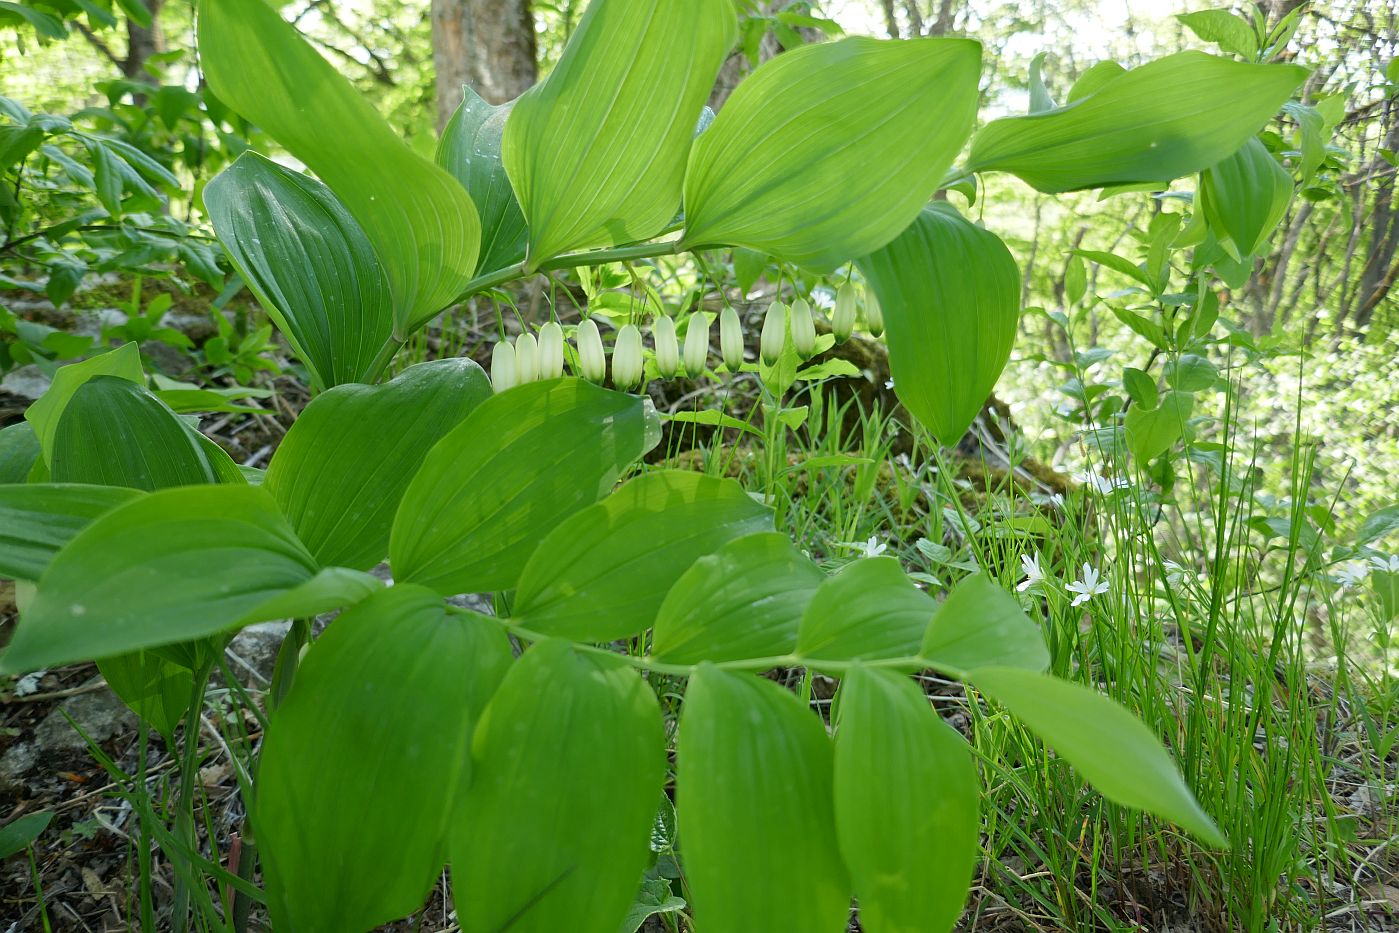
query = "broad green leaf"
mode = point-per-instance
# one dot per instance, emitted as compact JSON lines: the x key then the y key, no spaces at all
{"x":421,"y":221}
{"x":470,"y":150}
{"x":827,"y":151}
{"x":522,"y":462}
{"x":343,"y":467}
{"x":20,"y":833}
{"x":554,"y":831}
{"x":38,"y":519}
{"x":364,"y":758}
{"x":1191,"y":373}
{"x":173,"y":566}
{"x":596,"y":151}
{"x":655,"y":897}
{"x":114,"y":432}
{"x":1151,"y":432}
{"x":43,"y":415}
{"x":309,"y":263}
{"x":1245,"y":196}
{"x":757,"y":817}
{"x":19,"y":452}
{"x":1231,"y":33}
{"x":1168,"y":118}
{"x":950,"y":293}
{"x":156,"y":688}
{"x":981,"y":625}
{"x":1378,"y":525}
{"x":1106,"y":743}
{"x":871,"y":609}
{"x":743,"y":601}
{"x":906,"y":804}
{"x":603,"y":573}
{"x":1094,"y":79}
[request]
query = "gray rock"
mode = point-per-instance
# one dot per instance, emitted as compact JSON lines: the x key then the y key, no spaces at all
{"x":98,"y":713}
{"x":26,"y":382}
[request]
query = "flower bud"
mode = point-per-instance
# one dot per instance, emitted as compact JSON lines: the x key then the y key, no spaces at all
{"x":526,"y":359}
{"x":592,"y":361}
{"x":667,"y":347}
{"x":731,"y":339}
{"x":843,"y":320}
{"x":626,"y":358}
{"x":874,"y":314}
{"x":550,"y":351}
{"x":696,"y":345}
{"x":803,"y":328}
{"x":502,"y":366}
{"x":774,"y":336}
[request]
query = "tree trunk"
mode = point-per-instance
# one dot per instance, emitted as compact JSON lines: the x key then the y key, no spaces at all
{"x":487,"y":44}
{"x":142,"y":43}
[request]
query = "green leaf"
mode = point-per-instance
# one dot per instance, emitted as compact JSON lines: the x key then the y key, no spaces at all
{"x":421,"y":221}
{"x":522,"y":462}
{"x":1168,"y":118}
{"x":174,"y":566}
{"x":38,"y":519}
{"x":1378,"y":525}
{"x":114,"y":432}
{"x":757,"y":816}
{"x":364,"y":758}
{"x":871,"y":609}
{"x":1152,"y":432}
{"x":20,"y":833}
{"x":655,"y":897}
{"x":743,"y":601}
{"x":309,"y":263}
{"x":980,"y":625}
{"x":1245,"y":196}
{"x":50,"y":27}
{"x":1095,"y":78}
{"x":19,"y":452}
{"x":1106,"y":743}
{"x":826,"y":152}
{"x":470,"y":150}
{"x":1141,"y":387}
{"x":1231,"y":33}
{"x":342,"y":469}
{"x":603,"y":573}
{"x":1191,"y":373}
{"x":555,"y":829}
{"x":43,"y":415}
{"x":950,"y":292}
{"x":596,"y":151}
{"x":906,"y":804}
{"x":157,"y":689}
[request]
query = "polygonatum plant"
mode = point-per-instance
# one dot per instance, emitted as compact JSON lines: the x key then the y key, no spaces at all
{"x":527,"y":750}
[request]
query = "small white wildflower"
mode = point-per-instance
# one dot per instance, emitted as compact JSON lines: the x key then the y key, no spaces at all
{"x":1103,"y":485}
{"x":1033,"y":572}
{"x":1385,"y":565}
{"x":1352,"y":574}
{"x":1057,"y":500}
{"x":871,"y":548}
{"x":1175,"y":573}
{"x":889,"y":384}
{"x":28,"y":684}
{"x":1088,"y":586}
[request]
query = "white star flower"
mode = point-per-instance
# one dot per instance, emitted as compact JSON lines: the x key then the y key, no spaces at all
{"x":1089,"y":586}
{"x":1033,"y":572}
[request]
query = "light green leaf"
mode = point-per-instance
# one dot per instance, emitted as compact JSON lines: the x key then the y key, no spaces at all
{"x":309,"y":263}
{"x":43,"y":415}
{"x":603,"y":573}
{"x":554,"y":831}
{"x":344,"y":465}
{"x":743,"y":601}
{"x":421,"y":221}
{"x":38,"y":519}
{"x":1151,"y":432}
{"x":1191,"y":373}
{"x":757,"y":817}
{"x":871,"y":609}
{"x":1168,"y":118}
{"x":172,"y":566}
{"x":364,"y":758}
{"x":655,"y":897}
{"x":470,"y":150}
{"x":981,"y":625}
{"x":596,"y":151}
{"x":1245,"y":196}
{"x":827,"y":151}
{"x":524,"y":461}
{"x":906,"y":804}
{"x":1106,"y":743}
{"x":1094,"y":79}
{"x":950,"y":293}
{"x":157,"y":689}
{"x":1231,"y":33}
{"x":114,"y":432}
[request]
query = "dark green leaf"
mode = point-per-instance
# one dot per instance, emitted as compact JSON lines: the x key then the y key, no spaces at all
{"x":157,"y":689}
{"x":44,"y":414}
{"x":18,"y":834}
{"x":470,"y":150}
{"x":19,"y":451}
{"x":757,"y":816}
{"x":364,"y":760}
{"x":554,"y":831}
{"x":1245,"y":196}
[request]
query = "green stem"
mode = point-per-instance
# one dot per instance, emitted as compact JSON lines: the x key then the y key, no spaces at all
{"x":386,"y":354}
{"x":184,"y":817}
